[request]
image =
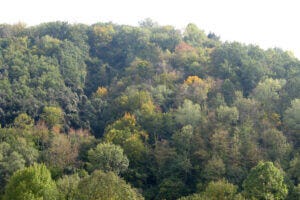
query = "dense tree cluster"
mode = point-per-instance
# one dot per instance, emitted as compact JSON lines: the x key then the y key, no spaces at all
{"x":111,"y":111}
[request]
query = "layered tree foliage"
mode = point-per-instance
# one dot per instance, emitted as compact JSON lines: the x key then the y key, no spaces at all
{"x":100,"y":185}
{"x":265,"y":181}
{"x":34,"y":182}
{"x":108,"y":157}
{"x":168,"y":113}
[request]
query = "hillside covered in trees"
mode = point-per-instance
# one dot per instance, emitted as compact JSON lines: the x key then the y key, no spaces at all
{"x":109,"y":111}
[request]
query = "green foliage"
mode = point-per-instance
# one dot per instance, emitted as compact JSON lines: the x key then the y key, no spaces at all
{"x":194,"y":36}
{"x":72,"y":65}
{"x":221,"y":144}
{"x":292,"y":117}
{"x":295,"y":193}
{"x":265,"y":181}
{"x":228,"y":89}
{"x":196,"y":89}
{"x":171,"y":189}
{"x":214,"y":169}
{"x":275,"y":144}
{"x":267,"y":91}
{"x":10,"y":161}
{"x":201,"y":110}
{"x":126,"y":133}
{"x":185,"y":55}
{"x":31,"y":183}
{"x":220,"y":190}
{"x":242,"y":65}
{"x":227,"y":114}
{"x":105,"y":186}
{"x":249,"y":109}
{"x":217,"y":190}
{"x":166,"y":37}
{"x":23,"y":121}
{"x":48,"y":45}
{"x":294,"y":170}
{"x":140,"y":70}
{"x":193,"y":197}
{"x":16,"y":152}
{"x":67,"y":186}
{"x":183,"y":138}
{"x":52,"y":116}
{"x":108,"y":157}
{"x":189,"y":113}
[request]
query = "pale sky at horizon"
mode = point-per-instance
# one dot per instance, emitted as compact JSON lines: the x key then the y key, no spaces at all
{"x":267,"y":23}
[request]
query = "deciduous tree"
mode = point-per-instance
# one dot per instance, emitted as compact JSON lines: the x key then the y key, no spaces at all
{"x":108,"y":157}
{"x":33,"y":183}
{"x":265,"y":181}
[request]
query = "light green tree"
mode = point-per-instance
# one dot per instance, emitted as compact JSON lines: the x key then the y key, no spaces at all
{"x":105,"y":186}
{"x":52,"y":116}
{"x":68,"y":186}
{"x":194,"y":36}
{"x":265,"y":182}
{"x":32,"y":183}
{"x":108,"y":157}
{"x":217,"y":190}
{"x":193,"y":197}
{"x":189,"y":113}
{"x":126,"y":133}
{"x":23,"y":121}
{"x":220,"y":190}
{"x":227,"y":114}
{"x":267,"y":93}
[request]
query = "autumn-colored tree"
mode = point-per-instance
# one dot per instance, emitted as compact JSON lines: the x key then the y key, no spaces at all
{"x":126,"y":133}
{"x":185,"y":55}
{"x":101,"y":92}
{"x":196,"y":89}
{"x":62,"y":152}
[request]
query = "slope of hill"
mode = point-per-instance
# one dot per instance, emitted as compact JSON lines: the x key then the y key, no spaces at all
{"x":172,"y":113}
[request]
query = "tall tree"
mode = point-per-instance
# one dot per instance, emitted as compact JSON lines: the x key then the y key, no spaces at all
{"x":105,"y":186}
{"x":265,"y":181}
{"x":108,"y":157}
{"x":34,"y":183}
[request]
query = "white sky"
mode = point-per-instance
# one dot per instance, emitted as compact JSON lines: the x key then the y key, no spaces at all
{"x":267,"y":23}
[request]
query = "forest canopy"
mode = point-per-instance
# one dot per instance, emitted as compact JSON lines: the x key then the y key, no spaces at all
{"x":148,"y":111}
